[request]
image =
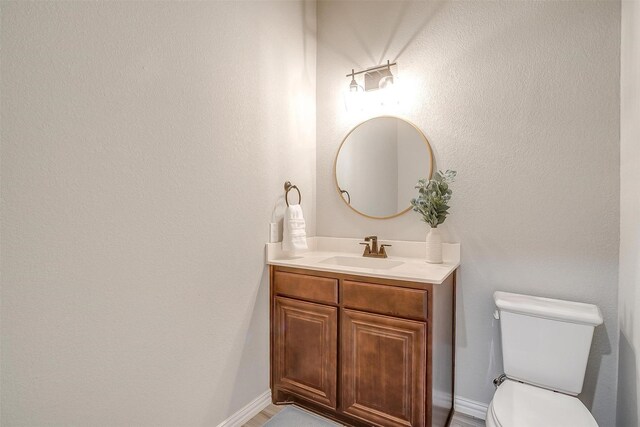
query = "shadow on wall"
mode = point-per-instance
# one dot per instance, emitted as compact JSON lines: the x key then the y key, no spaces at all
{"x":277,"y":215}
{"x":394,"y":19}
{"x":434,"y":10}
{"x":600,"y":347}
{"x":627,"y":408}
{"x":309,"y":29}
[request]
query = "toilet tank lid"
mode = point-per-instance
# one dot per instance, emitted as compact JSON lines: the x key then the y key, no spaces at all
{"x":548,"y":308}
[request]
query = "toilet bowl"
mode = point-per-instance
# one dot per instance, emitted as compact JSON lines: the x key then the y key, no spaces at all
{"x":524,"y":405}
{"x":545,"y":347}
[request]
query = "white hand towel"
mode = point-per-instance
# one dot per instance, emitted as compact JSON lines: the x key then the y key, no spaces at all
{"x":294,"y":234}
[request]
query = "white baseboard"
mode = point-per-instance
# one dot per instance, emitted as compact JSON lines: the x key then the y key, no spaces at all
{"x":249,"y":411}
{"x":461,"y":405}
{"x":470,"y":407}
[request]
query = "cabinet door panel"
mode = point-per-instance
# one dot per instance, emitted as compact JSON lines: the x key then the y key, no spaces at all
{"x":305,"y":350}
{"x":383,"y":369}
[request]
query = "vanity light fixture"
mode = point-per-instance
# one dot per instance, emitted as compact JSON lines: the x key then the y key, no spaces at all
{"x":359,"y":98}
{"x":375,"y":78}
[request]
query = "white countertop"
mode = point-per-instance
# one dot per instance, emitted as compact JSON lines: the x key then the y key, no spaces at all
{"x":407,"y":259}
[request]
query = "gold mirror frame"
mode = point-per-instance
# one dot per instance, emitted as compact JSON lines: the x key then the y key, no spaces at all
{"x":335,"y":165}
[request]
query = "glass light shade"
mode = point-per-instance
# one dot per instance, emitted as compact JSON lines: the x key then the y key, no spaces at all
{"x":353,"y":98}
{"x":389,"y":91}
{"x":354,"y":86}
{"x":386,"y":82}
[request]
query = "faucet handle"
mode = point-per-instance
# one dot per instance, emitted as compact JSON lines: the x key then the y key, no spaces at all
{"x":382,"y":251}
{"x":367,"y":250}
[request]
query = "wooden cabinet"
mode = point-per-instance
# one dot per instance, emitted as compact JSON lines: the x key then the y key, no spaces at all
{"x":363,"y":351}
{"x":383,"y":369}
{"x":305,"y":349}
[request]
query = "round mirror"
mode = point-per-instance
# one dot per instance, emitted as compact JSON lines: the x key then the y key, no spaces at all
{"x":379,"y":164}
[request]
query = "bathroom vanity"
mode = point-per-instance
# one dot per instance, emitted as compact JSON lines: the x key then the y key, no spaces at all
{"x":364,"y":341}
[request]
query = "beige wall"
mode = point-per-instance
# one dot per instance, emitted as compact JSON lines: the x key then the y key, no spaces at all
{"x":629,"y":290}
{"x":522,"y":99}
{"x":144,"y":145}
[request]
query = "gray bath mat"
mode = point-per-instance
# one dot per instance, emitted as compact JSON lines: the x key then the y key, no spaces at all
{"x":296,"y":417}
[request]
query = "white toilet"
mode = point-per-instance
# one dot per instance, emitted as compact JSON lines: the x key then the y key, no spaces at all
{"x":545,"y":346}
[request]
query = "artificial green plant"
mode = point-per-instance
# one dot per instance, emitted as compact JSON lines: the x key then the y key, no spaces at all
{"x":433,"y":197}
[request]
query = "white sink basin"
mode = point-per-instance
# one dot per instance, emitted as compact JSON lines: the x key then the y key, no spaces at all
{"x":361,"y":262}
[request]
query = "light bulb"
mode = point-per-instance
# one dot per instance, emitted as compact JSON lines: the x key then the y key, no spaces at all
{"x":389,"y":91}
{"x":386,"y":82}
{"x":353,"y":98}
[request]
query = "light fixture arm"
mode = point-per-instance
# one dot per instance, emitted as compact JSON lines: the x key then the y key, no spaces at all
{"x":353,"y":77}
{"x":388,"y":66}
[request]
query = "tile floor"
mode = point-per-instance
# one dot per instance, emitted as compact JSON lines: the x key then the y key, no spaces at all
{"x":459,"y":420}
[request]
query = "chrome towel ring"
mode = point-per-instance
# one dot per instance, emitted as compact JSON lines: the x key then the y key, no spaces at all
{"x":288,"y":187}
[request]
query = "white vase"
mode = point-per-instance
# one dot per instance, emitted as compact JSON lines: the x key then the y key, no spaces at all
{"x":434,"y":246}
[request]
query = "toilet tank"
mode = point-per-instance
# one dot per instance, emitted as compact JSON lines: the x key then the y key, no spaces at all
{"x":546,"y":342}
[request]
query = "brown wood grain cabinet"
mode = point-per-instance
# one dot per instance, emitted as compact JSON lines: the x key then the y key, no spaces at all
{"x":305,"y":344}
{"x":383,"y":362}
{"x":363,"y":351}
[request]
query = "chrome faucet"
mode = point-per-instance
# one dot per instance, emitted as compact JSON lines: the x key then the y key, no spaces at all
{"x":372,"y":250}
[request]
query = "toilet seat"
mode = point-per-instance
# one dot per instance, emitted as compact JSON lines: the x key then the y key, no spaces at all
{"x":522,"y":405}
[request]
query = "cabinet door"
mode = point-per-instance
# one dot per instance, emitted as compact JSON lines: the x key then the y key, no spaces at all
{"x":383,"y":369}
{"x":305,"y":350}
